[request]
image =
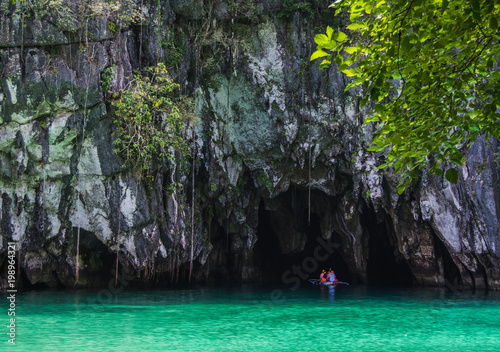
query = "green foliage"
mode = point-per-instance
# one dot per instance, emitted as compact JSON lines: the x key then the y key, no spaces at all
{"x":427,"y":68}
{"x":112,"y":27}
{"x":60,"y":11}
{"x":480,"y":167}
{"x":107,"y":77}
{"x":119,"y":13}
{"x":291,"y":6}
{"x":175,"y":48}
{"x":149,"y":121}
{"x":67,"y":15}
{"x":243,"y":8}
{"x":264,"y":180}
{"x":496,"y":159}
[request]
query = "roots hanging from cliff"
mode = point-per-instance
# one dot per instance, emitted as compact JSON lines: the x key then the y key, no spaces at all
{"x":118,"y":234}
{"x":77,"y":266}
{"x":192,"y":215}
{"x":77,"y":269}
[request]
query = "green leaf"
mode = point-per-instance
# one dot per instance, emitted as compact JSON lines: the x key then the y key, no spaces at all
{"x":339,"y":59}
{"x":354,"y":16}
{"x":321,"y":39}
{"x":405,"y":44}
{"x":401,"y":189}
{"x":363,"y":102}
{"x":493,"y":23}
{"x":475,"y":5}
{"x":318,"y":54}
{"x":374,"y":118}
{"x":329,"y":32}
{"x":451,"y":175}
{"x":341,"y":37}
{"x":350,"y":72}
{"x":351,"y":49}
{"x":477,"y":16}
{"x":331,"y":45}
{"x":325,"y":64}
{"x":356,"y":26}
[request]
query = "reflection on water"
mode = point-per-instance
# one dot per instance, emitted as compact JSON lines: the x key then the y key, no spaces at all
{"x":328,"y":292}
{"x":256,"y":319}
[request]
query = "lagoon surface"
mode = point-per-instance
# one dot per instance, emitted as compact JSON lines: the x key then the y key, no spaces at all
{"x":347,"y":318}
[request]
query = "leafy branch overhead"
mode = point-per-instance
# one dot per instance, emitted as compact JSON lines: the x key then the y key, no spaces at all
{"x":429,"y":67}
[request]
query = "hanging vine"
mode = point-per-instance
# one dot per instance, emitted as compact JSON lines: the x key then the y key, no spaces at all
{"x":191,"y":243}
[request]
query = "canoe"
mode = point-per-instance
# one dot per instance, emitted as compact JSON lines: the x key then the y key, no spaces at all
{"x":327,"y":283}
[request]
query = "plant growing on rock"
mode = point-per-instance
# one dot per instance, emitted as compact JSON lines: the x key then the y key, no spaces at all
{"x":291,"y":6}
{"x":243,"y":8}
{"x":119,"y":13}
{"x":61,"y":12}
{"x":149,"y":122}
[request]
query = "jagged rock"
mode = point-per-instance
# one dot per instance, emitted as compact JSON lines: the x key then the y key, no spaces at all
{"x":282,"y":171}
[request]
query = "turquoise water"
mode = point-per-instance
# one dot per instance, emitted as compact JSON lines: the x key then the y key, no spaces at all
{"x":347,"y":318}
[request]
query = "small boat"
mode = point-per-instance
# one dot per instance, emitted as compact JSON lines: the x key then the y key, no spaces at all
{"x":327,"y":283}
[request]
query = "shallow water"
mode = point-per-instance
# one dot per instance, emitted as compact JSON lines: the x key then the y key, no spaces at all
{"x":347,"y":318}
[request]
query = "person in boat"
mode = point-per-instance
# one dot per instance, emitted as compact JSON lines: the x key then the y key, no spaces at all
{"x":322,"y":276}
{"x":331,"y":276}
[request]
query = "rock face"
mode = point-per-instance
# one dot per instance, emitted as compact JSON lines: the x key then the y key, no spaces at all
{"x":283,"y":182}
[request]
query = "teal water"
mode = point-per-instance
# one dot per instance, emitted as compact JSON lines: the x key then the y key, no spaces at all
{"x":347,"y":318}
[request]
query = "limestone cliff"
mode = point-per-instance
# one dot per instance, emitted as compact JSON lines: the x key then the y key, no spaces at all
{"x":280,"y":159}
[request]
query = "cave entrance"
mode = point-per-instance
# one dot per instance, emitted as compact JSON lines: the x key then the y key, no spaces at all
{"x":291,"y":246}
{"x":385,"y":266}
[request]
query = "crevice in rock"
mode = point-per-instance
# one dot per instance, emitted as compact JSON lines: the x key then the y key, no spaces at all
{"x":96,"y":259}
{"x":449,"y":270}
{"x":385,"y":265}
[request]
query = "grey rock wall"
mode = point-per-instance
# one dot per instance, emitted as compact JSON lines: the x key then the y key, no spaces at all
{"x":271,"y":130}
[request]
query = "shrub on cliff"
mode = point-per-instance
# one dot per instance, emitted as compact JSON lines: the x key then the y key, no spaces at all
{"x":149,"y":121}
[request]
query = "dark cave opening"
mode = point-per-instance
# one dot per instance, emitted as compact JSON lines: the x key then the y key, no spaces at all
{"x":299,"y":265}
{"x":386,"y":266}
{"x":306,"y":257}
{"x":99,"y":263}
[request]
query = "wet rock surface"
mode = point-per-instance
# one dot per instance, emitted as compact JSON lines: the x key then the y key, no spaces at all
{"x":281,"y":162}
